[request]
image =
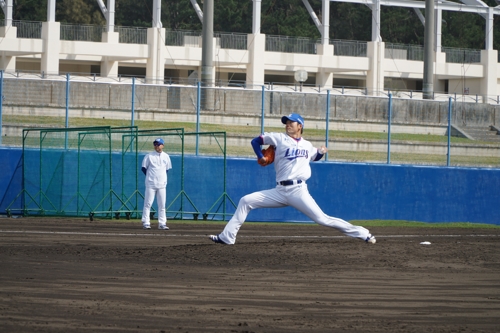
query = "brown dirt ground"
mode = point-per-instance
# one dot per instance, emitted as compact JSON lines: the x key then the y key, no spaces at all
{"x":76,"y":275}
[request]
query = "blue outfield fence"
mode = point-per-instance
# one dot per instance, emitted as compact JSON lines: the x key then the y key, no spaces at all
{"x":346,"y":190}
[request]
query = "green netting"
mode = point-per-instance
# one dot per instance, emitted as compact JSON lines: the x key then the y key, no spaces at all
{"x":95,"y":171}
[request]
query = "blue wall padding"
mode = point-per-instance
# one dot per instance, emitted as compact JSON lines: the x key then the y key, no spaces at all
{"x":418,"y":193}
{"x":348,"y":191}
{"x":11,"y":174}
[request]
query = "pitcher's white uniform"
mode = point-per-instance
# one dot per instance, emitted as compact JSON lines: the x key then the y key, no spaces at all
{"x":157,"y":165}
{"x":292,"y":167}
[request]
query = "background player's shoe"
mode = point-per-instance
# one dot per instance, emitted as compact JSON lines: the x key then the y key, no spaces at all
{"x":371,"y":239}
{"x":163,"y":227}
{"x":146,"y":226}
{"x":216,"y":239}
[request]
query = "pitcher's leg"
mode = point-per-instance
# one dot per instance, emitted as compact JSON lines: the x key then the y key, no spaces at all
{"x":161,"y":199}
{"x":307,"y":205}
{"x":149,"y":196}
{"x":263,"y":199}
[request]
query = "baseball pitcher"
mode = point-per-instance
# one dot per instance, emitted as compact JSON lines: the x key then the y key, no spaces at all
{"x":292,"y":155}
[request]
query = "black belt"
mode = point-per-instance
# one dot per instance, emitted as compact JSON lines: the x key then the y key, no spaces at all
{"x":289,"y":182}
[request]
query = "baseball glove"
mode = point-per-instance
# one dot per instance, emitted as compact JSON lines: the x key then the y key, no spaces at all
{"x":268,"y":154}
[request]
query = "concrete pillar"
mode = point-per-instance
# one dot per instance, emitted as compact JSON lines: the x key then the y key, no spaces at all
{"x":439,"y":62}
{"x":324,"y":79}
{"x":7,"y":10}
{"x":51,"y":33}
{"x":7,"y":61}
{"x":155,"y":66}
{"x":375,"y":75}
{"x":8,"y":32}
{"x":256,"y":45}
{"x":489,"y":84}
{"x":109,"y":67}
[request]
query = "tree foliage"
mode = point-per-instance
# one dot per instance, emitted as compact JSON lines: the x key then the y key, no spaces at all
{"x":79,"y":12}
{"x":278,"y":17}
{"x":29,"y":10}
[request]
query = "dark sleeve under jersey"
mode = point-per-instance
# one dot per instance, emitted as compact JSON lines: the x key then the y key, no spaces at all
{"x":318,"y":156}
{"x":256,"y":143}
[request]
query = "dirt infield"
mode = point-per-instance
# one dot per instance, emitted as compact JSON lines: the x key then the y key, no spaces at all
{"x":74,"y":275}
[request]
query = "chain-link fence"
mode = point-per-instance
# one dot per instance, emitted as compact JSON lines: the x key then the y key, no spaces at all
{"x":355,"y":127}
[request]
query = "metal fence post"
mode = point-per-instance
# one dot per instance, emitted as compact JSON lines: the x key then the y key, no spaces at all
{"x":389,"y":130}
{"x":133,"y":101}
{"x":449,"y":132}
{"x":327,"y":122}
{"x":1,"y":104}
{"x":262,"y":106}
{"x":198,"y":103}
{"x":67,"y":111}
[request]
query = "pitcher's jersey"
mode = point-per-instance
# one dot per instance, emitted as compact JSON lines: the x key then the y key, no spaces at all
{"x":292,"y":156}
{"x":157,"y":165}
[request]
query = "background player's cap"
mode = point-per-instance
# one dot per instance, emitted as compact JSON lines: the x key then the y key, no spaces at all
{"x":293,"y":117}
{"x":159,"y":141}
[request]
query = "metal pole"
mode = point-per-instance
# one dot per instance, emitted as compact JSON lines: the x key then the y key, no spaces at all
{"x":327,"y":121}
{"x":428,"y":82}
{"x":389,"y":130}
{"x":1,"y":103}
{"x":225,"y":176}
{"x":133,"y":112}
{"x":67,"y":111}
{"x":262,"y":111}
{"x":207,"y":43}
{"x":198,"y":95}
{"x":449,"y":132}
{"x":133,"y":101}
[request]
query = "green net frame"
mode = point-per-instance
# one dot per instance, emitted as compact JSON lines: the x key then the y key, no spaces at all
{"x":94,"y":171}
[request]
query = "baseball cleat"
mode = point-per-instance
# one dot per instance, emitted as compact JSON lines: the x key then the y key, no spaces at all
{"x":163,"y":227}
{"x":146,"y":227}
{"x":371,"y":239}
{"x":216,"y":239}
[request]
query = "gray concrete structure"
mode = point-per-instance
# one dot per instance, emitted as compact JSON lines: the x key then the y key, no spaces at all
{"x":39,"y":96}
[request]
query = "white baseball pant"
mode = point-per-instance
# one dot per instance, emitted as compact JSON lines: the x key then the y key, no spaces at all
{"x":161,"y":199}
{"x":296,"y":196}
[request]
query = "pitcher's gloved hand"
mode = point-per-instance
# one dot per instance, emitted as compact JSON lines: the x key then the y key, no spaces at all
{"x":268,"y":156}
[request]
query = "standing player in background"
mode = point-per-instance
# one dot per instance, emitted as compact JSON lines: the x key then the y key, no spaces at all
{"x":292,"y":156}
{"x":155,"y":166}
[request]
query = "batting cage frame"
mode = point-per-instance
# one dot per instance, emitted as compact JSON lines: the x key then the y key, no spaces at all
{"x":94,"y":172}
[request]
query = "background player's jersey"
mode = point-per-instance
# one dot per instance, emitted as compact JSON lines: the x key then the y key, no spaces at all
{"x":157,"y":165}
{"x":292,"y":156}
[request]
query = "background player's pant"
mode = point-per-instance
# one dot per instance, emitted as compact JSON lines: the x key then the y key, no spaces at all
{"x":161,"y":198}
{"x":296,"y":196}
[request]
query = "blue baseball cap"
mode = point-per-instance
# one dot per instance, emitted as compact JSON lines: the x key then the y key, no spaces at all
{"x":159,"y":141}
{"x":293,"y":117}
